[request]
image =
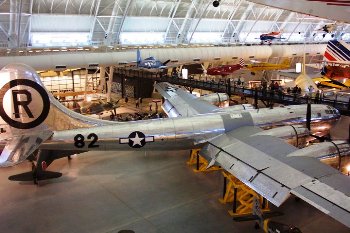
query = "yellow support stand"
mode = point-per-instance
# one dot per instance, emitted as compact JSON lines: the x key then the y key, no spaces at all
{"x":241,"y":195}
{"x":200,"y":162}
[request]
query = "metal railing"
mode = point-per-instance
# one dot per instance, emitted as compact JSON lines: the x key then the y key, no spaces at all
{"x":267,"y":96}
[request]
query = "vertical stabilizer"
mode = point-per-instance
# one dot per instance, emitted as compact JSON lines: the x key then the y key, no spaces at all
{"x":337,"y":51}
{"x":304,"y":81}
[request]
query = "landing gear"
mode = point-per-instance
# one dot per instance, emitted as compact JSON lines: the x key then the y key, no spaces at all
{"x":34,"y":172}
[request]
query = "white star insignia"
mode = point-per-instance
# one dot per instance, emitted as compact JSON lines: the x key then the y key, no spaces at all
{"x":136,"y":140}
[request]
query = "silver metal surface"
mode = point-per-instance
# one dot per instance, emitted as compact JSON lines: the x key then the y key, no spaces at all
{"x":228,"y":137}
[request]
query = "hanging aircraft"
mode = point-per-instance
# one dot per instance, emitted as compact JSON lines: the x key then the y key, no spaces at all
{"x":34,"y":125}
{"x":267,"y":38}
{"x":328,"y":28}
{"x":150,"y":62}
{"x":325,"y":82}
{"x":260,"y":66}
{"x":263,"y":220}
{"x":224,"y":70}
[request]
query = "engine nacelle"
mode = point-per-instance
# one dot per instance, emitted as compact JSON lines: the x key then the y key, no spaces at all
{"x":324,"y":150}
{"x":239,"y":107}
{"x":214,"y":98}
{"x":286,"y":132}
{"x":293,"y":134}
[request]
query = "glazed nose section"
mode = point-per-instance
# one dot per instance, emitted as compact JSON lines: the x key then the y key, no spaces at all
{"x":336,"y":113}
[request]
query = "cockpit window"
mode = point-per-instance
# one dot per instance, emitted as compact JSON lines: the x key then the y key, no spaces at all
{"x":333,"y":111}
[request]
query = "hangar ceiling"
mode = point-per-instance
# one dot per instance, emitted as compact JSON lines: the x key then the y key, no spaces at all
{"x":50,"y":23}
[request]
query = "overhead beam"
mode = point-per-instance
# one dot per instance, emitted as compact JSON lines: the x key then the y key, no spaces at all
{"x":204,"y":9}
{"x":172,"y":14}
{"x":186,"y":23}
{"x":226,"y":33}
{"x":109,"y":31}
{"x":241,"y":22}
{"x":92,"y":29}
{"x":256,"y":20}
{"x":127,"y":7}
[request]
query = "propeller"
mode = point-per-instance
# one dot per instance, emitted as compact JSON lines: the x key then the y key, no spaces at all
{"x":166,"y":62}
{"x":308,"y":125}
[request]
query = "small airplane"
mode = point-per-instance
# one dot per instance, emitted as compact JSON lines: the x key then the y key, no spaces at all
{"x":99,"y":106}
{"x":263,"y":220}
{"x":224,"y":70}
{"x":260,"y":66}
{"x":267,"y":38}
{"x":328,"y":28}
{"x":150,"y":62}
{"x":35,"y":126}
{"x":326,"y":82}
{"x":337,"y":59}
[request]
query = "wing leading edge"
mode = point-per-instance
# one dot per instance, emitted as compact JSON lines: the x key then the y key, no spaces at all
{"x":270,"y":172}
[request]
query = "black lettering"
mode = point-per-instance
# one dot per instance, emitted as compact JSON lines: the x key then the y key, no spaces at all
{"x":23,"y":103}
{"x":79,"y":141}
{"x":94,"y":140}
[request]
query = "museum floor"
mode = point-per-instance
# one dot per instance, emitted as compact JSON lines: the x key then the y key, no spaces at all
{"x":144,"y":192}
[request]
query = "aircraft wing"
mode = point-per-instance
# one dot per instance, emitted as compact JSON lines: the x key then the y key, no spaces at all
{"x":272,"y":173}
{"x":179,"y":102}
{"x":338,"y":62}
{"x":328,"y":9}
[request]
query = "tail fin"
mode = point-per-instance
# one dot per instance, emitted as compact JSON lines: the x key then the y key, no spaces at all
{"x":24,"y":106}
{"x":241,"y":62}
{"x":29,"y":114}
{"x":337,"y":51}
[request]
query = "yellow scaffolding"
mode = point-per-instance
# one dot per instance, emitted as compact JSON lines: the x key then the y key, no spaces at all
{"x":200,"y":162}
{"x":241,"y":196}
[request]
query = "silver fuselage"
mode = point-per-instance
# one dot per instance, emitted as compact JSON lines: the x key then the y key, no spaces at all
{"x":182,"y":132}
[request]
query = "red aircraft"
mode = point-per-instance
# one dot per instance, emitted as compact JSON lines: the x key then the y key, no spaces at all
{"x":225,"y":70}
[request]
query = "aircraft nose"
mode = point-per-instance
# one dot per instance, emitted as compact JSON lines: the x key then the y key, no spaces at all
{"x":336,"y":113}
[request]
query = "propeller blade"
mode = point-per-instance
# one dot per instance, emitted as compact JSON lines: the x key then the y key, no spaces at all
{"x":166,"y":62}
{"x":308,"y":117}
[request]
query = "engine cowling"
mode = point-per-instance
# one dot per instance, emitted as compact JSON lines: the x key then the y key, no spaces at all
{"x":214,"y":98}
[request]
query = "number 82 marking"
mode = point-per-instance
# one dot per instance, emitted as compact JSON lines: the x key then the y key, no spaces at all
{"x":79,"y":140}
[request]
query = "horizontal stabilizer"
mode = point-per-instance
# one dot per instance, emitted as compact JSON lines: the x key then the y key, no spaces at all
{"x":29,"y":176}
{"x":18,"y":148}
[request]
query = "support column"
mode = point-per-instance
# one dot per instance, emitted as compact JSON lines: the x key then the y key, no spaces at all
{"x":102,"y":86}
{"x":86,"y":83}
{"x":109,"y":83}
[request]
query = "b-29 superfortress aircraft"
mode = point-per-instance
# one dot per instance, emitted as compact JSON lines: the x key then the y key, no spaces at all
{"x":35,"y":125}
